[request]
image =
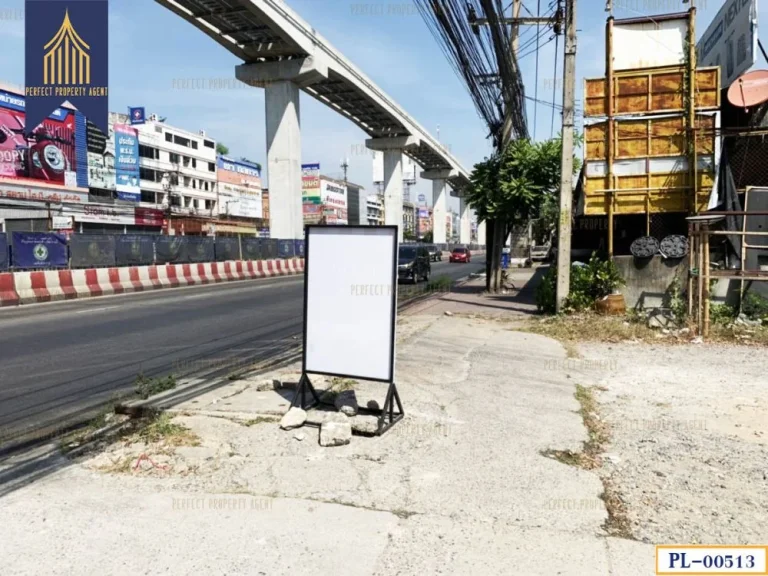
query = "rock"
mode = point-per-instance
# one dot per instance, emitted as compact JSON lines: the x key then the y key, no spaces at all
{"x":346,"y":402}
{"x":613,"y":458}
{"x":335,"y":433}
{"x":448,"y":313}
{"x":373,"y":405}
{"x":685,"y":330}
{"x":697,"y":340}
{"x":365,"y":424}
{"x":299,"y":436}
{"x":320,"y":417}
{"x":294,"y":418}
{"x":264,"y":385}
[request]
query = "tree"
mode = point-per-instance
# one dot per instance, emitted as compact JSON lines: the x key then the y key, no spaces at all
{"x":511,"y":188}
{"x":408,"y":235}
{"x":427,"y":238}
{"x":221,"y":149}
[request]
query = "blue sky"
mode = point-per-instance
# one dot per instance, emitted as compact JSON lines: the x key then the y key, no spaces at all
{"x":152,"y":51}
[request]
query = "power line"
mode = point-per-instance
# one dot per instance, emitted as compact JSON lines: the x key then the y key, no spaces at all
{"x":536,"y":85}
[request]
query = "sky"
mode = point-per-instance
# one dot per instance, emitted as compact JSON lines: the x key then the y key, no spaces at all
{"x":159,"y":61}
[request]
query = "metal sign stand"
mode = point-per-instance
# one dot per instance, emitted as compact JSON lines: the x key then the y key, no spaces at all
{"x":306,"y":397}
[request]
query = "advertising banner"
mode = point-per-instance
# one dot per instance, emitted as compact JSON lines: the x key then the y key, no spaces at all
{"x":101,"y":157}
{"x":24,"y":190}
{"x":299,"y":248}
{"x":3,"y":251}
{"x":310,"y":184}
{"x":148,"y":217}
{"x":45,"y":153}
{"x":239,"y":187}
{"x":423,"y":213}
{"x":730,"y":41}
{"x":92,"y":250}
{"x":39,"y":250}
{"x":134,"y":249}
{"x":127,"y":163}
{"x":66,"y":56}
{"x":103,"y":214}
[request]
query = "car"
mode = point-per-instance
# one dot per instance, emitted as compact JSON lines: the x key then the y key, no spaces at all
{"x":435,"y":254}
{"x":460,"y":255}
{"x":413,"y":264}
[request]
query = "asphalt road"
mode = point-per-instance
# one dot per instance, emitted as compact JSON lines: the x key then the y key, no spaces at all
{"x":62,"y":361}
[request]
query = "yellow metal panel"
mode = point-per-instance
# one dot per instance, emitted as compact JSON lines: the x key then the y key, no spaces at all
{"x":652,"y":90}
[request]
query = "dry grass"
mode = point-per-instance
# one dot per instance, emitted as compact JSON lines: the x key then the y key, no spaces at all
{"x":590,"y":458}
{"x":162,"y":429}
{"x":590,"y":327}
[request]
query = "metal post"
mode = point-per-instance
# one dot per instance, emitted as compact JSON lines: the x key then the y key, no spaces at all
{"x":611,"y":127}
{"x":706,"y":281}
{"x":566,"y":167}
{"x":692,"y":153}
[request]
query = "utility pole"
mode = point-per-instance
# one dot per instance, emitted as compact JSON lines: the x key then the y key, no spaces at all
{"x":566,"y":165}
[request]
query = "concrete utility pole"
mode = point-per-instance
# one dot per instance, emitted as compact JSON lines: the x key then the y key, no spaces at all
{"x":566,"y":165}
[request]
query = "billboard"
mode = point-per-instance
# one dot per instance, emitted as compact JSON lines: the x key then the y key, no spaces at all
{"x":101,"y":157}
{"x":648,"y":43}
{"x":730,"y":41}
{"x":310,"y":193}
{"x":334,"y":197}
{"x":46,"y":154}
{"x":239,"y":186}
{"x":126,"y":146}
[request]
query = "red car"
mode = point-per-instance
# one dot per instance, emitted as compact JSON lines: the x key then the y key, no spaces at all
{"x":460,"y":255}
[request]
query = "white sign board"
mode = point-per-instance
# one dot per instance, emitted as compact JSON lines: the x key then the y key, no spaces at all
{"x":61,"y":222}
{"x":730,"y":41}
{"x":351,"y":294}
{"x":407,"y":165}
{"x":649,"y":44}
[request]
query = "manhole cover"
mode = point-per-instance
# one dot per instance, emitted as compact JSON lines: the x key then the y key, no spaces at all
{"x":644,"y":247}
{"x":674,"y":247}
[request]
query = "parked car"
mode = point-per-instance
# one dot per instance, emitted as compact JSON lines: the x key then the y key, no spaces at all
{"x":435,"y":254}
{"x":413,"y":264}
{"x":460,"y":255}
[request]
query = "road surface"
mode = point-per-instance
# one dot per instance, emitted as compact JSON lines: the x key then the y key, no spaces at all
{"x":62,"y":361}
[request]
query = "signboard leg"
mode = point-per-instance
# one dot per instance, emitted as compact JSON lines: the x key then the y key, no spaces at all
{"x":300,"y":398}
{"x":388,"y":416}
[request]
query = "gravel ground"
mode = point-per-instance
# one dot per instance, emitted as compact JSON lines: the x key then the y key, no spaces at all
{"x":689,"y":448}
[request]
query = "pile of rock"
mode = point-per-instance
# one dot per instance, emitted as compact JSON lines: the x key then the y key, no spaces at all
{"x":335,"y":427}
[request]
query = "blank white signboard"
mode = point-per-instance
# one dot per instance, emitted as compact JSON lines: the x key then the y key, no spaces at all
{"x":351,"y":292}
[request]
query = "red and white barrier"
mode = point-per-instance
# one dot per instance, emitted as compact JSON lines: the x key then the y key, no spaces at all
{"x":52,"y":285}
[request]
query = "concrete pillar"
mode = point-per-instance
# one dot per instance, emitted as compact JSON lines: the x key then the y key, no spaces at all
{"x":465,"y":230}
{"x":393,"y":190}
{"x":281,"y":82}
{"x":392,"y":152}
{"x":481,"y":233}
{"x":284,"y":160}
{"x":440,"y":207}
{"x":439,"y":211}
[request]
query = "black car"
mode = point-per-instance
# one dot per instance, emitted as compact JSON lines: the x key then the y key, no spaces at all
{"x":435,"y":254}
{"x":413,"y":264}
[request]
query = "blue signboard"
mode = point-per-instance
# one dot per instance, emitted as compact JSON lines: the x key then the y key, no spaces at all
{"x":136,"y":114}
{"x":127,"y":163}
{"x":39,"y":250}
{"x":299,"y":248}
{"x":66,"y":55}
{"x":238,"y":166}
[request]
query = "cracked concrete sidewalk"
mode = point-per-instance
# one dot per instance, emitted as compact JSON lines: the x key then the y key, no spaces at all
{"x":458,"y":487}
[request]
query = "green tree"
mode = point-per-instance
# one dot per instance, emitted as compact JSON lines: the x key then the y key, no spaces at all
{"x":409,"y":236}
{"x":427,"y":238}
{"x":221,"y":149}
{"x":511,"y":188}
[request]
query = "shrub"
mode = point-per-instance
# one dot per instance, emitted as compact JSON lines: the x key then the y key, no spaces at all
{"x":755,"y":306}
{"x":589,"y":282}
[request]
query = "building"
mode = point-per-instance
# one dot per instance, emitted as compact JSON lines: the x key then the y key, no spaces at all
{"x":178,"y":176}
{"x":356,"y":205}
{"x":409,"y":219}
{"x":239,"y":197}
{"x":374,"y":210}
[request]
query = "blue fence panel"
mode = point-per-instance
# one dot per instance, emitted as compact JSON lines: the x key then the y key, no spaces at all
{"x":134,"y":249}
{"x":171,"y":250}
{"x":200,"y":249}
{"x":92,"y":250}
{"x":252,"y":248}
{"x":227,"y":249}
{"x":4,"y":259}
{"x":285,"y":248}
{"x":299,"y":248}
{"x":39,"y":250}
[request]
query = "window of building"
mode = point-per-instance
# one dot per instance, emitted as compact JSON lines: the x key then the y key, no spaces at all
{"x":148,"y":196}
{"x":181,"y":141}
{"x":208,"y":204}
{"x":208,"y":144}
{"x":168,"y":137}
{"x":175,"y":200}
{"x":194,"y":144}
{"x":186,"y":181}
{"x":194,"y":163}
{"x":147,"y":174}
{"x":174,"y":158}
{"x":206,"y":186}
{"x":186,"y":161}
{"x":194,"y":184}
{"x":187,"y":202}
{"x":211,"y":167}
{"x":149,"y":152}
{"x":159,"y":129}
